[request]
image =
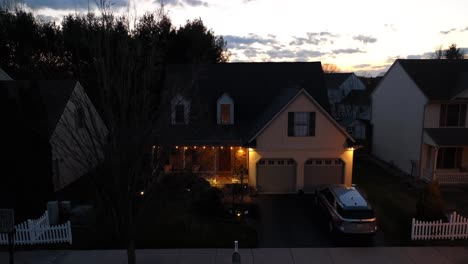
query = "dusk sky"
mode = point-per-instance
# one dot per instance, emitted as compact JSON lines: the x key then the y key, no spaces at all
{"x":363,"y":36}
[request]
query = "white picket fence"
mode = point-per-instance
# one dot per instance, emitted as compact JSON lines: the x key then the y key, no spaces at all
{"x":38,"y":231}
{"x":456,"y":228}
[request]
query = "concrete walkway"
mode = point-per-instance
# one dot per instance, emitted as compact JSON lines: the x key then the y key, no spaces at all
{"x":380,"y":255}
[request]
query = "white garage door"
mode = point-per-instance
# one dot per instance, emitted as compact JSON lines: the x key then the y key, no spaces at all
{"x":276,"y":176}
{"x":322,"y":171}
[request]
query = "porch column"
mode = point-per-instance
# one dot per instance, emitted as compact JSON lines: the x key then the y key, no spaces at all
{"x":183,"y":158}
{"x":435,"y":163}
{"x":215,"y":159}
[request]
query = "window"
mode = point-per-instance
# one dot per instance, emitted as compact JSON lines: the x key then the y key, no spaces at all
{"x":180,"y":110}
{"x":452,"y":115}
{"x":79,"y":117}
{"x":301,"y":124}
{"x":225,"y":110}
{"x":225,"y":114}
{"x":449,"y":158}
{"x":180,"y":114}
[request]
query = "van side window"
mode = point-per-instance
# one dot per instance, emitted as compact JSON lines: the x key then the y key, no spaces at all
{"x":329,"y":196}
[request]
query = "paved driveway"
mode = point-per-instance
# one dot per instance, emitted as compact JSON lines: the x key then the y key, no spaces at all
{"x":294,"y":221}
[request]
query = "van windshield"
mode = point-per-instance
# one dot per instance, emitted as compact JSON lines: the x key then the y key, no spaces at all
{"x":361,"y":213}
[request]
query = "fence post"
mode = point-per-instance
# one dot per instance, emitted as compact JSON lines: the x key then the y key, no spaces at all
{"x":412,"y":229}
{"x":31,"y":231}
{"x":69,"y":232}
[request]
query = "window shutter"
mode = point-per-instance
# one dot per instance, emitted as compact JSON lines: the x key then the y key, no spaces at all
{"x":443,"y":115}
{"x":312,"y":124}
{"x":291,"y":124}
{"x":462,"y":115}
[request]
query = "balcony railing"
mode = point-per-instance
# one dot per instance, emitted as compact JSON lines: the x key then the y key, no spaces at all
{"x":452,"y":177}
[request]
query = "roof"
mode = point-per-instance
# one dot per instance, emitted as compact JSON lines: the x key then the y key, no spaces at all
{"x":259,"y":91}
{"x":438,"y":79}
{"x":45,"y":100}
{"x":448,"y":136}
{"x":334,"y":80}
{"x":4,"y":76}
{"x":357,"y":97}
{"x":349,"y":196}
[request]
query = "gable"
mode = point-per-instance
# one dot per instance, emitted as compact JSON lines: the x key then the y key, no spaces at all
{"x":328,"y":134}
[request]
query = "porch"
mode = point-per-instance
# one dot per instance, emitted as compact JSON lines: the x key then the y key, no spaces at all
{"x":219,"y":165}
{"x":445,"y":156}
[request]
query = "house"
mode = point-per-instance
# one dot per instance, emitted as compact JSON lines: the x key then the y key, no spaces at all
{"x":271,"y":118}
{"x":356,"y":117}
{"x":338,"y":86}
{"x":56,"y":121}
{"x":4,"y":76}
{"x":419,"y":118}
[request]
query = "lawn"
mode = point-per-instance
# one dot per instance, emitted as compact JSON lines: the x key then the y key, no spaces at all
{"x":394,"y":203}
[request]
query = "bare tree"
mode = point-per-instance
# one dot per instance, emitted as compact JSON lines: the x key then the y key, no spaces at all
{"x":330,"y":68}
{"x":454,"y":53}
{"x":438,"y":53}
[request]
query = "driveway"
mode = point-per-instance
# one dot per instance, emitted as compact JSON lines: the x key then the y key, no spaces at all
{"x":294,"y":221}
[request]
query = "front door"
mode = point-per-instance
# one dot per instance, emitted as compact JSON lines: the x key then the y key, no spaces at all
{"x":224,"y":159}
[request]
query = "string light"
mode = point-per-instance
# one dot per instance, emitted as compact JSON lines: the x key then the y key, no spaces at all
{"x":185,"y":147}
{"x":221,"y":147}
{"x":231,"y":148}
{"x":176,"y":147}
{"x":204,"y":147}
{"x":195,"y":147}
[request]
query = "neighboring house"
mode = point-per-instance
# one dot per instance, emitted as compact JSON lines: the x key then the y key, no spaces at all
{"x":419,"y":118}
{"x":268,"y":117}
{"x":4,"y":76}
{"x":356,"y":119}
{"x":60,"y":114}
{"x":338,"y":86}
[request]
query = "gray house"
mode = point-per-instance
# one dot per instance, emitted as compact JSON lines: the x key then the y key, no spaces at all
{"x":420,"y":120}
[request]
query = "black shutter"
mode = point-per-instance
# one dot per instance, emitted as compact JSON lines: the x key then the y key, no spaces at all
{"x":443,"y":116}
{"x":462,"y":115}
{"x":312,"y":124}
{"x":291,"y":124}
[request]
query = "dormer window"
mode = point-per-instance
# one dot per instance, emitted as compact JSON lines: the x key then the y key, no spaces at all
{"x":180,"y":111}
{"x":225,"y":110}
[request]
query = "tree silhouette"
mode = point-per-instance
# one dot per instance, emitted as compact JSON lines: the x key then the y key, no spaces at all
{"x":454,"y":53}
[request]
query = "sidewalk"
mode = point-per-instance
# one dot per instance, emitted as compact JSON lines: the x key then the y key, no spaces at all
{"x":380,"y":255}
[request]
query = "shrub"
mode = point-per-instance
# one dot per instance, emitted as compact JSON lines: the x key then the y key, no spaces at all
{"x":430,"y":205}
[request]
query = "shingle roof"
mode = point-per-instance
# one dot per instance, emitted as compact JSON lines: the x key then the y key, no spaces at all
{"x":448,"y":136}
{"x":4,"y":76}
{"x":438,"y":79}
{"x":259,"y":91}
{"x":357,"y":97}
{"x":334,"y":80}
{"x":45,"y":100}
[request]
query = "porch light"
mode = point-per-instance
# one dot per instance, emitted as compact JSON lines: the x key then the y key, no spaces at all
{"x":250,"y":149}
{"x":142,"y":193}
{"x":195,"y":147}
{"x":204,"y":147}
{"x":231,"y":148}
{"x":240,"y":150}
{"x":350,"y":148}
{"x":185,"y":147}
{"x":239,"y":214}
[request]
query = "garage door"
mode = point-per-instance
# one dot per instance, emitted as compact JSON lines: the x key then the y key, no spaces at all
{"x":322,"y":171}
{"x":276,"y":176}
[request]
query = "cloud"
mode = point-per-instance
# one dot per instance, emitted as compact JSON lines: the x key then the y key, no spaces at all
{"x":239,"y":41}
{"x":425,"y":55}
{"x":445,"y":32}
{"x":46,"y":18}
{"x":365,"y":39}
{"x":390,"y":27}
{"x":193,"y":3}
{"x":464,"y":29}
{"x":347,"y":51}
{"x":360,"y":66}
{"x":298,"y":55}
{"x":69,"y":4}
{"x":314,"y":38}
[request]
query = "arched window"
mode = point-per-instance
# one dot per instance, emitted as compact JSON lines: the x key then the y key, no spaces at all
{"x":225,"y":110}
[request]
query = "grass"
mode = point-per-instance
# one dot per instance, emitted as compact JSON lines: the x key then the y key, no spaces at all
{"x":393,"y":202}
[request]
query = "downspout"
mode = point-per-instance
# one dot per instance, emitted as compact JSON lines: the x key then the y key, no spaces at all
{"x":422,"y":141}
{"x":434,"y":177}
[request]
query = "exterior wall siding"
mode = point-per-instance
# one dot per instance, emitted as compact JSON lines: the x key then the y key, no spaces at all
{"x":274,"y":142}
{"x":397,"y":118}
